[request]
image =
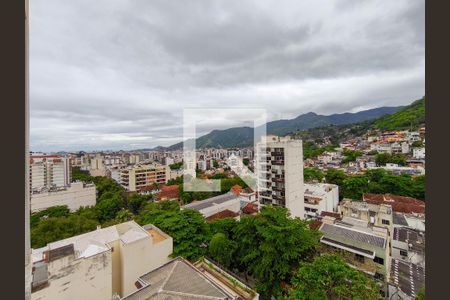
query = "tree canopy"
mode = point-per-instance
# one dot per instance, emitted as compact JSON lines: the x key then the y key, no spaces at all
{"x":329,"y":277}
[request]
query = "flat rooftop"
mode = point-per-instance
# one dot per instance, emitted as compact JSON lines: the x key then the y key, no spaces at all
{"x":360,"y":205}
{"x":95,"y":242}
{"x":410,"y":278}
{"x":199,"y":205}
{"x":318,"y":189}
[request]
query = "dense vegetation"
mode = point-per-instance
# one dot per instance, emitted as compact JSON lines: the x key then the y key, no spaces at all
{"x":113,"y":205}
{"x":267,"y":247}
{"x":381,"y":159}
{"x":376,"y":181}
{"x":330,"y":277}
{"x":313,"y":174}
{"x":350,"y":155}
{"x":176,"y":166}
{"x":311,"y":150}
{"x":413,"y":116}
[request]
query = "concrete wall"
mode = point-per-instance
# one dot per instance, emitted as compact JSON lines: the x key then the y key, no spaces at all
{"x":294,"y":187}
{"x":140,"y":257}
{"x":74,"y":197}
{"x":86,"y":279}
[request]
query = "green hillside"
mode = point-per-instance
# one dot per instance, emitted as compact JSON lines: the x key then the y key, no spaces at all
{"x":412,"y":116}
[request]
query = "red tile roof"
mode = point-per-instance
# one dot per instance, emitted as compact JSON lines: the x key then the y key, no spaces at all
{"x":236,"y":189}
{"x":222,"y":214}
{"x":399,"y":203}
{"x":315,"y":225}
{"x":250,"y":209}
{"x":168,"y":192}
{"x":330,"y":214}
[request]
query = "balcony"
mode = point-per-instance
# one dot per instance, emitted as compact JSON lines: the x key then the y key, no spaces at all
{"x":278,"y":162}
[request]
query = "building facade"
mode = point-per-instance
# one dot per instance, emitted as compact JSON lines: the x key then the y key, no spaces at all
{"x":279,"y":169}
{"x":77,"y":195}
{"x":140,"y":177}
{"x":49,"y":171}
{"x":320,"y":197}
{"x":99,"y":264}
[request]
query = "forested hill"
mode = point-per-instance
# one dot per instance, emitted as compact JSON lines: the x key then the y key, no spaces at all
{"x":410,"y":117}
{"x":243,"y":136}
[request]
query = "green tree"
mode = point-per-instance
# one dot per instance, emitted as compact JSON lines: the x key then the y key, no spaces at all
{"x":311,"y":174}
{"x":329,"y":277}
{"x":187,"y":228}
{"x":51,"y":212}
{"x":353,"y":187}
{"x":225,"y":226}
{"x":271,"y":244}
{"x":351,"y":155}
{"x":222,"y":249}
{"x":108,"y":206}
{"x":58,"y":228}
{"x":135,"y":202}
{"x":381,"y":159}
{"x":335,"y":176}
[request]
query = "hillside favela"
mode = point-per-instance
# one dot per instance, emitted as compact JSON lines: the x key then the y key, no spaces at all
{"x":343,"y":200}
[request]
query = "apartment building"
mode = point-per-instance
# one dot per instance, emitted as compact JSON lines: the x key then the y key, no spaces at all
{"x":279,"y":169}
{"x":49,"y":171}
{"x":140,"y":177}
{"x":320,"y":197}
{"x":99,"y":264}
{"x":77,"y":195}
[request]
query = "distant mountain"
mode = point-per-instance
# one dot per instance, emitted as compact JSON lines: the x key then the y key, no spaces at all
{"x":411,"y":116}
{"x":243,"y":136}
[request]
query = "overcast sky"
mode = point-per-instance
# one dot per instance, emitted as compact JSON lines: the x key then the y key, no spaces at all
{"x":116,"y":74}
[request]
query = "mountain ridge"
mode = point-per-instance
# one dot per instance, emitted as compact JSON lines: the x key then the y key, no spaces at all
{"x":243,"y":136}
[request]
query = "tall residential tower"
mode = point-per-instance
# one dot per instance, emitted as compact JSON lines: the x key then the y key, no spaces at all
{"x":279,"y":169}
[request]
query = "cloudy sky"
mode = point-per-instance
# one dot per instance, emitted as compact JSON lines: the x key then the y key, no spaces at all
{"x":115,"y":74}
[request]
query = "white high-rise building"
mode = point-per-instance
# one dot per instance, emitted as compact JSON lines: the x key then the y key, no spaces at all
{"x":279,"y":169}
{"x":49,"y":171}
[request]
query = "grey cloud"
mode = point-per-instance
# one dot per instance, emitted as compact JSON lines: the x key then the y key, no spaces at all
{"x":119,"y":73}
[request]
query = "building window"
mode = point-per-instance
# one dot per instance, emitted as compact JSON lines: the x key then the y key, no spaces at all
{"x":379,"y":260}
{"x":385,"y":222}
{"x":403,"y":253}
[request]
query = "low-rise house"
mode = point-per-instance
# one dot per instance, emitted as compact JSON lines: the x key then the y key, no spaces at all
{"x":363,"y":246}
{"x":217,"y":204}
{"x":373,"y":214}
{"x":99,"y":264}
{"x":320,"y":197}
{"x":168,"y":192}
{"x":77,"y":195}
{"x":179,"y":279}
